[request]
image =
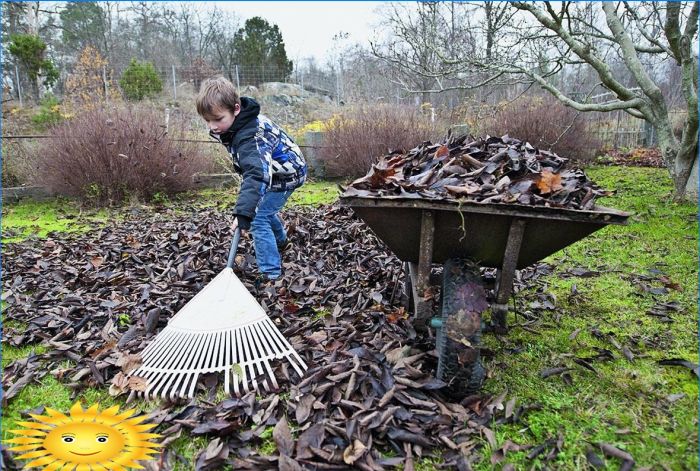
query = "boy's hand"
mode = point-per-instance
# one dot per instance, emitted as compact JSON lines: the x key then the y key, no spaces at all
{"x":242,"y":222}
{"x":244,"y":227}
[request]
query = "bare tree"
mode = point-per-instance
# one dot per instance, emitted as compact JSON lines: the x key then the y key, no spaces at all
{"x":224,"y":51}
{"x":193,"y":28}
{"x":419,"y":36}
{"x":628,"y":47}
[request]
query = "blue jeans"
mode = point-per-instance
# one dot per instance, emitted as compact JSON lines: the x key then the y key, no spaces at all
{"x":268,"y":231}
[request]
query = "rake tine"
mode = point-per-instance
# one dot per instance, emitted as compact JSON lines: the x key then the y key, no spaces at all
{"x":155,"y":347}
{"x":182,"y":378}
{"x":180,"y":348}
{"x":270,"y":354}
{"x":191,"y":349}
{"x":190,"y":394}
{"x":278,"y":335}
{"x":217,"y":361}
{"x":253,"y":356}
{"x":235,"y":359}
{"x":242,"y":359}
{"x":161,"y":378}
{"x":227,"y":362}
{"x":199,"y":360}
{"x":161,"y":390}
{"x":268,"y":327}
{"x":271,"y":346}
{"x":185,"y":382}
{"x":263,"y":347}
{"x":170,"y":340}
{"x":288,"y":348}
{"x":245,"y":355}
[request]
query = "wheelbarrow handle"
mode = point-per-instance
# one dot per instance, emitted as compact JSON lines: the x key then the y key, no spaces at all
{"x":234,"y":247}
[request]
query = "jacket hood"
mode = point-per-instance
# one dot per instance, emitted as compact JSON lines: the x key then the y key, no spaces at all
{"x":250,"y":109}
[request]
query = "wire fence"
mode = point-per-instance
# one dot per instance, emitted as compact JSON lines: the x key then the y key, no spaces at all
{"x":180,"y":80}
{"x":614,"y":129}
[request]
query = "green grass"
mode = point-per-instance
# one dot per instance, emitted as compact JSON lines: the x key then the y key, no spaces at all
{"x":29,"y":218}
{"x":10,"y":354}
{"x":39,"y":218}
{"x":312,"y":193}
{"x":624,"y":404}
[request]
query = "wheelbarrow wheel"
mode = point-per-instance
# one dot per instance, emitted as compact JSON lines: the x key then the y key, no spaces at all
{"x":463,"y":300}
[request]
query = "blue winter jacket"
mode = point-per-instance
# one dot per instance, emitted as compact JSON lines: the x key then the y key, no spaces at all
{"x":266,"y":157}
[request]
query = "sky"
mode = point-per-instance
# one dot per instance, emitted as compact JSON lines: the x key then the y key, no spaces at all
{"x":308,"y":27}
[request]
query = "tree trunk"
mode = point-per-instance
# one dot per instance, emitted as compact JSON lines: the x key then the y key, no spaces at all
{"x":686,"y":165}
{"x":680,"y":159}
{"x":691,"y":189}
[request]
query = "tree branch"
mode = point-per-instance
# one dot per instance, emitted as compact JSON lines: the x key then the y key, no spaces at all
{"x":672,"y":28}
{"x":631,"y":59}
{"x":691,"y":27}
{"x":456,"y":87}
{"x":581,"y":50}
{"x":643,"y":30}
{"x":611,"y":106}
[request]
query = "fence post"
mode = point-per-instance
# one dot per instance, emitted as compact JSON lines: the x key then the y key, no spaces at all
{"x":19,"y":87}
{"x":337,"y":88}
{"x":105,"y":83}
{"x":174,"y":85}
{"x":302,"y":84}
{"x":648,"y":134}
{"x":238,"y":79}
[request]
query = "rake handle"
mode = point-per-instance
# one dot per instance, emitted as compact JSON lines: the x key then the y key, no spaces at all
{"x":234,"y":247}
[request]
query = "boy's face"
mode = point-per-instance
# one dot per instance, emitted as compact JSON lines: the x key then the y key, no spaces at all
{"x":221,"y":119}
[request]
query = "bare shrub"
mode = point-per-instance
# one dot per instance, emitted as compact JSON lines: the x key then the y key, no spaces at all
{"x":354,"y":139}
{"x":16,"y":162}
{"x":545,"y":123}
{"x":108,"y":154}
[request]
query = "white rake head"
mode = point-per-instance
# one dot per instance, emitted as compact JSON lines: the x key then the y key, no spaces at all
{"x":222,"y":329}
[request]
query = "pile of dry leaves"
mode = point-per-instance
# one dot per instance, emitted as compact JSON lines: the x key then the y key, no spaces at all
{"x":485,"y":170}
{"x":369,"y":399}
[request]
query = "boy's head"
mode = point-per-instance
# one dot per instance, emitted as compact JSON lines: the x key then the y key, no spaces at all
{"x":218,"y":103}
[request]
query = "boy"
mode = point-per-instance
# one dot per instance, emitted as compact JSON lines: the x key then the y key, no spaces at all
{"x":271,"y":164}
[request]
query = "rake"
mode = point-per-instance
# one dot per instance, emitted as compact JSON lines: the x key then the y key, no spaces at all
{"x":221,"y":329}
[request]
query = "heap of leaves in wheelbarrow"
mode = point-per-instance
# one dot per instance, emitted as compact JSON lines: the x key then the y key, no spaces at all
{"x":485,"y":170}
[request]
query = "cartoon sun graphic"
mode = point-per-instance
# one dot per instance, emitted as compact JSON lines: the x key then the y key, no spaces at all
{"x":86,"y":440}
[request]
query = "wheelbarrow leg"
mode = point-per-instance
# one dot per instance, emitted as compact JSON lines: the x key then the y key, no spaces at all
{"x":504,"y":286}
{"x":420,"y":273}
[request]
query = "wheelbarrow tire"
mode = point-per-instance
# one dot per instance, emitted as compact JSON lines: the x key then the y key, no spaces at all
{"x":463,"y":300}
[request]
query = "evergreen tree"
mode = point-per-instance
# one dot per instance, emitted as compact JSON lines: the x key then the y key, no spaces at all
{"x":260,"y":52}
{"x":140,"y":80}
{"x":30,"y":53}
{"x":83,"y":24}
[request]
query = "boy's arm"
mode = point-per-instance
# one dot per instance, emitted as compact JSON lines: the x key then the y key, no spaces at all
{"x":254,"y":159}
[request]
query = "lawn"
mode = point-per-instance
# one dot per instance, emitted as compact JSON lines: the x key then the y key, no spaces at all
{"x":602,"y":290}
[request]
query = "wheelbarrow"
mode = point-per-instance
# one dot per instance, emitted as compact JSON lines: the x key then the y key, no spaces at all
{"x":464,"y":237}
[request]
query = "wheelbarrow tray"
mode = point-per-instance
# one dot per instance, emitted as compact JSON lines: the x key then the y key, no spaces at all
{"x":478,"y":231}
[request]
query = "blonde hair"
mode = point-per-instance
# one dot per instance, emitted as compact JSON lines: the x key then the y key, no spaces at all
{"x":217,"y":93}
